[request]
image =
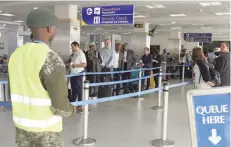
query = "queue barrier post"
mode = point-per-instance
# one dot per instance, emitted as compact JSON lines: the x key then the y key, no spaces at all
{"x":183,"y":72}
{"x":159,"y":101}
{"x":163,"y":142}
{"x":84,"y":140}
{"x":140,"y":83}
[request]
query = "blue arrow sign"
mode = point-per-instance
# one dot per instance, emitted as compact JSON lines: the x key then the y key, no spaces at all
{"x":198,"y":37}
{"x":119,"y":14}
{"x":210,"y":117}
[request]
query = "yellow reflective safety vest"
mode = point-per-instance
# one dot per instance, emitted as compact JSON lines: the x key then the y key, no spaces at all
{"x":31,"y":104}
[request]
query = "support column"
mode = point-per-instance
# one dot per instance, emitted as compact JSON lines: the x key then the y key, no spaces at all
{"x":138,"y":39}
{"x":174,"y":44}
{"x":14,"y":39}
{"x":68,"y":30}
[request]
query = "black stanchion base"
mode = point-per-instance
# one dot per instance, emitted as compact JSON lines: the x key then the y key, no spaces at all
{"x":163,"y":143}
{"x":84,"y":142}
{"x":157,"y":108}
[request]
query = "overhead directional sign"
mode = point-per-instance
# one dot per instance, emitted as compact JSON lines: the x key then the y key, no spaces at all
{"x":209,"y":113}
{"x":104,"y":15}
{"x":198,"y":37}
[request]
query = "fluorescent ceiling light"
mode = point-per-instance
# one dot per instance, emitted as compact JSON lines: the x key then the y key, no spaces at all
{"x":206,"y":27}
{"x":7,"y":14}
{"x":126,"y":33}
{"x":177,"y":15}
{"x":198,"y":24}
{"x":224,"y":13}
{"x":106,"y":32}
{"x":201,"y":10}
{"x":150,"y":7}
{"x":176,"y":28}
{"x":139,"y":16}
{"x":215,"y":3}
{"x":120,"y":28}
{"x":217,"y":33}
{"x":35,"y":8}
{"x":160,"y":6}
{"x":205,"y":4}
{"x":173,"y":22}
{"x":226,"y":26}
{"x":0,"y":11}
{"x":156,"y":6}
{"x":98,"y":28}
{"x":19,"y":21}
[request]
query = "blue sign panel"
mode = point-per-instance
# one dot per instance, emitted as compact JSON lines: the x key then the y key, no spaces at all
{"x":101,"y":15}
{"x":198,"y":37}
{"x":210,"y":119}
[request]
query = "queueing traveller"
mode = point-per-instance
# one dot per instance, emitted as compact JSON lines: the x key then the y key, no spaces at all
{"x":156,"y":63}
{"x":222,"y":64}
{"x":129,"y":62}
{"x":77,"y":65}
{"x":107,"y":55}
{"x":38,"y":87}
{"x":164,"y":62}
{"x":117,"y":63}
{"x":147,"y":63}
{"x":93,"y":65}
{"x":201,"y":75}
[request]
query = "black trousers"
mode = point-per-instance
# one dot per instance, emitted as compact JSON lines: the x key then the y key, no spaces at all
{"x":117,"y":78}
{"x":125,"y":76}
{"x":93,"y":91}
{"x":76,"y":88}
{"x":156,"y":71}
{"x":146,"y":73}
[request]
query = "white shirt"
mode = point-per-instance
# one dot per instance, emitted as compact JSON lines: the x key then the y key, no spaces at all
{"x":125,"y":56}
{"x":78,"y":58}
{"x":116,"y":60}
{"x":198,"y":81}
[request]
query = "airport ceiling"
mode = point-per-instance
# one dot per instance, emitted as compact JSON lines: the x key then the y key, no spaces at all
{"x":198,"y":16}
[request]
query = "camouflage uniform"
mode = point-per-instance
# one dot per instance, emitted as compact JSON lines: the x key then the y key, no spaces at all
{"x":52,"y":78}
{"x":48,"y":139}
{"x":38,"y":139}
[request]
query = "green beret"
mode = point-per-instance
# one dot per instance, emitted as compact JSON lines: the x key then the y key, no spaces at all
{"x":41,"y":18}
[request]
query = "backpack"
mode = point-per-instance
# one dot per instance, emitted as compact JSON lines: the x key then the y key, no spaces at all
{"x":214,"y":75}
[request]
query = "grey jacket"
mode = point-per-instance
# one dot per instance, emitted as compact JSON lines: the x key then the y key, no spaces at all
{"x":131,"y":59}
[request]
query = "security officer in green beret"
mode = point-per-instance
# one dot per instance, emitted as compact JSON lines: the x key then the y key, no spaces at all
{"x":38,"y":87}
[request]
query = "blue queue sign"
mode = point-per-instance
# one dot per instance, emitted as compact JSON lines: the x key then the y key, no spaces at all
{"x":101,"y":15}
{"x":209,"y":113}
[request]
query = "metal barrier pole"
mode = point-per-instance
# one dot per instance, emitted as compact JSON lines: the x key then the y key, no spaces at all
{"x":85,"y":141}
{"x":183,"y":72}
{"x":163,"y":142}
{"x":140,"y":83}
{"x":159,"y":105}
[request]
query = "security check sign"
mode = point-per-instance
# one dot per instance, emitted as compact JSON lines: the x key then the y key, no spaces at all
{"x":105,"y":15}
{"x":209,"y":114}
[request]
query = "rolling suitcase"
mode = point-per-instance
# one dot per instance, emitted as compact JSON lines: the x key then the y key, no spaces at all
{"x":106,"y":90}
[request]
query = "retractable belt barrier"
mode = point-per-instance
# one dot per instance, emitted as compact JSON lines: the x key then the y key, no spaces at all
{"x":84,"y":140}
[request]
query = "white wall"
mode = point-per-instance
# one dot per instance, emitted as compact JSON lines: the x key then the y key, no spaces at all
{"x":161,"y":40}
{"x":4,"y":39}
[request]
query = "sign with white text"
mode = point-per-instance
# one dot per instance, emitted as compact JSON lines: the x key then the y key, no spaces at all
{"x":105,"y":15}
{"x":198,"y":37}
{"x":209,"y":112}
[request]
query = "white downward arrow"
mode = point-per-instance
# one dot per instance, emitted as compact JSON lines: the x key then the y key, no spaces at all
{"x":214,"y":138}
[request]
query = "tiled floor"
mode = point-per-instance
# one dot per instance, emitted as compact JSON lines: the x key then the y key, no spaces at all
{"x":123,"y":123}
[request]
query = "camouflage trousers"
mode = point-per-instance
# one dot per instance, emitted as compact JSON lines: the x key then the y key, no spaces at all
{"x":40,"y":139}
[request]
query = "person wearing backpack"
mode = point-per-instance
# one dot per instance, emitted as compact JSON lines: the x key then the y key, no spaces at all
{"x":201,"y":74}
{"x":222,"y":64}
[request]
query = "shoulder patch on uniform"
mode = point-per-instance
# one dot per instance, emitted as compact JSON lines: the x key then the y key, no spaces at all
{"x":53,"y":60}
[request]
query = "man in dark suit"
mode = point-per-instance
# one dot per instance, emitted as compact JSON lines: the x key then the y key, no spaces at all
{"x":128,"y":63}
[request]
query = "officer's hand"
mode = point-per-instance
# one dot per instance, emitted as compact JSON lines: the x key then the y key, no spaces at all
{"x":73,"y":66}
